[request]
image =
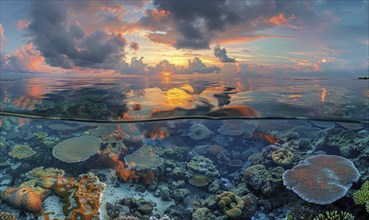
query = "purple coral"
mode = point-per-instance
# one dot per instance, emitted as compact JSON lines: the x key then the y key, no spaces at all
{"x":321,"y":179}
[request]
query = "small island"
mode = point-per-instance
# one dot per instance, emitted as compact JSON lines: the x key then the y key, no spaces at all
{"x":363,"y":77}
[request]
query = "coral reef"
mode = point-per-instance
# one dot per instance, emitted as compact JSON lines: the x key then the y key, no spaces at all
{"x":77,"y":149}
{"x":22,"y":151}
{"x":231,"y":128}
{"x":361,"y":197}
{"x":321,"y":179}
{"x":22,"y":198}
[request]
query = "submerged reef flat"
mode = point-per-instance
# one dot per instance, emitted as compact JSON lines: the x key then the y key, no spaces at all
{"x":183,"y":169}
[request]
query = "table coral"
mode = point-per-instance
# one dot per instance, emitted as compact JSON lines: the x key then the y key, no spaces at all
{"x":22,"y":151}
{"x":144,"y":159}
{"x":321,"y":179}
{"x":77,"y":149}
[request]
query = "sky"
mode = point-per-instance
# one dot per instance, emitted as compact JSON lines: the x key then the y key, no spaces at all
{"x":184,"y":37}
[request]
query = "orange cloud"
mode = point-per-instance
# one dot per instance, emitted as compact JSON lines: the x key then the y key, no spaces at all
{"x":2,"y":35}
{"x":29,"y":59}
{"x":21,"y":24}
{"x":158,"y":14}
{"x":281,"y":19}
{"x":238,"y":40}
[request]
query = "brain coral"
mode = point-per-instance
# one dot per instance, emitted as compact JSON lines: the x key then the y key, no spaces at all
{"x":22,"y":198}
{"x":321,"y":179}
{"x":77,"y":149}
{"x":22,"y":151}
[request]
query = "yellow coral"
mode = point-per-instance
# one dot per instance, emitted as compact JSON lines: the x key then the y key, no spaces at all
{"x":7,"y":216}
{"x":282,"y":157}
{"x":22,"y":151}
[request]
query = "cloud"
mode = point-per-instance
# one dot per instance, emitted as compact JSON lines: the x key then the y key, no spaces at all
{"x":68,"y":45}
{"x":221,"y":54}
{"x":3,"y":39}
{"x":197,"y":66}
{"x":137,"y":66}
{"x":22,"y":24}
{"x":24,"y":59}
{"x":134,"y":46}
{"x":281,"y":19}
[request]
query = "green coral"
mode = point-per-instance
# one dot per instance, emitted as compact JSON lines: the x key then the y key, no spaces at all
{"x":361,"y":197}
{"x":334,"y":215}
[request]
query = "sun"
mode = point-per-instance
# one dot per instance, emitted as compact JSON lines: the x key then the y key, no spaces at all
{"x":165,"y":73}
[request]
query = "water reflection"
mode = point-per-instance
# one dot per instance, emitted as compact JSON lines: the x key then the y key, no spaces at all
{"x":131,"y":98}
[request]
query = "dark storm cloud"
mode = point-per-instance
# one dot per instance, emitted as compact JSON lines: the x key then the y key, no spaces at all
{"x":196,"y":19}
{"x":67,"y":46}
{"x":221,"y":54}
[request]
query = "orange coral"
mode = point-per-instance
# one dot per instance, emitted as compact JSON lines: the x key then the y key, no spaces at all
{"x":123,"y":172}
{"x":149,"y":177}
{"x":23,"y":198}
{"x":82,"y":196}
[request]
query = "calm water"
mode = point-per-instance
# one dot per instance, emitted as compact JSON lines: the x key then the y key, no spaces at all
{"x":158,"y":97}
{"x":182,"y":168}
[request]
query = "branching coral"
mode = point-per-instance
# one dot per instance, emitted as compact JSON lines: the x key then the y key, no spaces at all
{"x":361,"y":197}
{"x":202,"y":165}
{"x":334,"y":215}
{"x":82,"y":195}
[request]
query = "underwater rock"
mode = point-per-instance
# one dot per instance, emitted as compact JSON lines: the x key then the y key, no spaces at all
{"x":203,"y":165}
{"x":22,"y":198}
{"x":77,"y":149}
{"x":255,"y":176}
{"x":203,"y":214}
{"x":22,"y":151}
{"x":199,"y":132}
{"x":179,"y":194}
{"x":348,"y":142}
{"x":321,"y":179}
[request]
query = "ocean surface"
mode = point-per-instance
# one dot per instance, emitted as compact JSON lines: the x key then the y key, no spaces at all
{"x":184,"y":147}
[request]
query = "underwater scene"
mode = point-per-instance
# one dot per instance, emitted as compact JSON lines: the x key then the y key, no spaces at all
{"x":184,"y":110}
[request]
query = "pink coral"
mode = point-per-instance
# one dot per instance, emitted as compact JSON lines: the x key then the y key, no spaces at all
{"x":321,"y":179}
{"x":22,"y":198}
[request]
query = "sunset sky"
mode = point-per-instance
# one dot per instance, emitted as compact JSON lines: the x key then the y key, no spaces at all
{"x":183,"y":37}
